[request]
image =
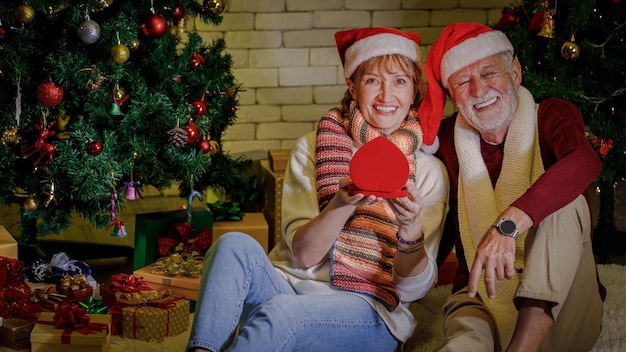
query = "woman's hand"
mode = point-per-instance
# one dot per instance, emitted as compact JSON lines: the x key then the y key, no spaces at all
{"x":408,"y":211}
{"x":357,"y":199}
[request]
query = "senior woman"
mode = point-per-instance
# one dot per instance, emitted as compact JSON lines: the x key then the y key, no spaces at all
{"x":352,"y":259}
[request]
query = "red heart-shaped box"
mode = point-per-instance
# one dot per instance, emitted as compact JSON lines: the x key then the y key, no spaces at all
{"x":379,"y":168}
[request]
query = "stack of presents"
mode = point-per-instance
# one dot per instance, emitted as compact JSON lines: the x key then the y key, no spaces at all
{"x":54,"y":304}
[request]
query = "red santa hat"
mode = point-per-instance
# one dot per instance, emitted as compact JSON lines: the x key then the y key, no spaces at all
{"x":459,"y":45}
{"x":358,"y":45}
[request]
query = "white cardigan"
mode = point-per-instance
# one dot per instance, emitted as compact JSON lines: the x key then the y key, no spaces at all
{"x":299,"y":205}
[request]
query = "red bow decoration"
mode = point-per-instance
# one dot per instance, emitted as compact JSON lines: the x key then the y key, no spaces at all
{"x":202,"y":241}
{"x":74,"y":318}
{"x":128,"y":283}
{"x":179,"y":240}
{"x":70,"y":316}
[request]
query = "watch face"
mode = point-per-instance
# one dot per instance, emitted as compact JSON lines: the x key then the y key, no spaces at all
{"x":507,"y":227}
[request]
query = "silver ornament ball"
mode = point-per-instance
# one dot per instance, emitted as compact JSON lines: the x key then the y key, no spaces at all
{"x":89,"y":31}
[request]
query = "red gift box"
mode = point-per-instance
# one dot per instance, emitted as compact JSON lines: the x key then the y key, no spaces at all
{"x":11,"y":272}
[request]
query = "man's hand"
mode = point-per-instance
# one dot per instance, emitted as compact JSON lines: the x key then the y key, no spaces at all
{"x":495,"y":256}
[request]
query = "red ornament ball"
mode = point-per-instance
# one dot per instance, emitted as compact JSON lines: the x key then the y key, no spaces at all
{"x":196,"y":60}
{"x":193,"y":133}
{"x":49,"y":93}
{"x":179,"y":13}
{"x":94,"y":148}
{"x":615,"y":2}
{"x":155,"y":26}
{"x":3,"y":31}
{"x":199,"y":108}
{"x":205,"y":146}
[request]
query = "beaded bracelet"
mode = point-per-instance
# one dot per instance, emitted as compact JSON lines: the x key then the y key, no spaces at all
{"x":419,"y":242}
{"x":412,"y":250}
{"x":409,"y":243}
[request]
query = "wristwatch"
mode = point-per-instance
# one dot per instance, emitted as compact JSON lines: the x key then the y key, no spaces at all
{"x":507,"y":227}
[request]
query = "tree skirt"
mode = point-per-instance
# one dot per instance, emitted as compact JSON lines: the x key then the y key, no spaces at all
{"x":428,"y":312}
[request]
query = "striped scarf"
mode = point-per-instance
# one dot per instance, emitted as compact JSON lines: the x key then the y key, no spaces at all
{"x":480,"y":204}
{"x":363,"y":254}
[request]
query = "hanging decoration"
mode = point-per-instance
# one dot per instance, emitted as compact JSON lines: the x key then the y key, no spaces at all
{"x":118,"y":99}
{"x":24,"y":14}
{"x":89,"y":30}
{"x":214,"y":7}
{"x":193,"y":194}
{"x":196,"y":60}
{"x":209,"y":146}
{"x":50,"y":196}
{"x":10,"y":135}
{"x":41,"y":146}
{"x":49,"y":93}
{"x":155,"y":25}
{"x":509,"y":17}
{"x":132,"y":188}
{"x":119,"y":228}
{"x":179,"y":14}
{"x":177,"y":136}
{"x":547,"y":29}
{"x":570,"y":50}
{"x":603,"y":146}
{"x":193,"y":132}
{"x":199,"y":106}
{"x":30,"y":203}
{"x":119,"y":52}
{"x":94,"y":147}
{"x":103,"y":4}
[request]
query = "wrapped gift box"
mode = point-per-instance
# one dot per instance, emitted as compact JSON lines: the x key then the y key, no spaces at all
{"x":278,"y":159}
{"x":272,"y":183}
{"x":153,"y":323}
{"x":181,"y":286}
{"x":254,"y":224}
{"x":121,"y":282}
{"x":46,"y":338}
{"x":11,"y":272}
{"x":15,"y":333}
{"x":148,"y":227}
{"x":8,"y":245}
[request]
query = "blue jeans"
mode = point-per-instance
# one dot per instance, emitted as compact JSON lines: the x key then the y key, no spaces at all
{"x":241,"y":288}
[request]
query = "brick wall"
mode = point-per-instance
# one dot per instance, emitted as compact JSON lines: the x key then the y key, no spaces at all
{"x":285,"y":56}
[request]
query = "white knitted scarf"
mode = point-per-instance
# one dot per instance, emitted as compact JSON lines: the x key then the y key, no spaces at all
{"x":480,"y":204}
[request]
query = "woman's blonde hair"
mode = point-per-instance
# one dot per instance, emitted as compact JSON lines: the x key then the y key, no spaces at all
{"x":412,"y":69}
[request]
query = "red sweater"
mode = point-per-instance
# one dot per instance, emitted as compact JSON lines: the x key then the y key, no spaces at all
{"x":569,"y":160}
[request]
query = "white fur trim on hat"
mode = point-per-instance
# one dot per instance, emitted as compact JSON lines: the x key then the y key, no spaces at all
{"x":472,"y":50}
{"x":379,"y":45}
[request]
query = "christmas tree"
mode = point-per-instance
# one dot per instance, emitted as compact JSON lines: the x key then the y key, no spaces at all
{"x":103,"y":97}
{"x":575,"y":50}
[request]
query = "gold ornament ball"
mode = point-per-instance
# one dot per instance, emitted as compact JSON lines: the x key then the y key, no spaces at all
{"x":31,"y":204}
{"x":134,"y":45}
{"x":118,"y":94}
{"x":215,"y":7}
{"x":570,"y":50}
{"x":24,"y":14}
{"x":103,"y":4}
{"x":120,"y":53}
